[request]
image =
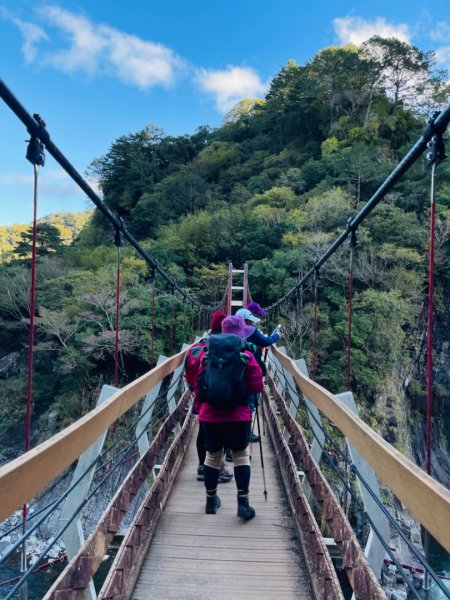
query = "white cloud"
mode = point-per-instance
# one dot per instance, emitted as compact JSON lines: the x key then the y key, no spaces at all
{"x":72,"y":43}
{"x":19,"y":179}
{"x":96,"y":49}
{"x":440,"y":32}
{"x":138,"y":62}
{"x":52,"y":182}
{"x":443,"y":56}
{"x":355,"y":30}
{"x":31,"y":33}
{"x":84,"y":52}
{"x":231,"y":85}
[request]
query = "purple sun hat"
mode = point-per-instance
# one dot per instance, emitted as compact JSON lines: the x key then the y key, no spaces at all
{"x":236,"y":326}
{"x":254,"y":307}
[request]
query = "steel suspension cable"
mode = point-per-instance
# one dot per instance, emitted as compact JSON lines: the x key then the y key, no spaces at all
{"x":49,"y":509}
{"x":32,"y":314}
{"x":118,"y":242}
{"x":184,"y":319}
{"x":435,"y":156}
{"x":35,"y":154}
{"x":228,"y":292}
{"x":36,"y":127}
{"x":431,"y":247}
{"x":172,"y":321}
{"x":246,"y":293}
{"x":343,"y":456}
{"x":348,"y":364}
{"x":314,"y":329}
{"x":62,"y":529}
{"x":116,"y":346}
{"x":153,"y":314}
{"x":435,"y":128}
{"x":50,"y":563}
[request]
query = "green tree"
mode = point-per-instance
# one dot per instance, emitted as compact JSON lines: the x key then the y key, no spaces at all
{"x":178,"y":194}
{"x":293,"y":110}
{"x":344,"y":80}
{"x":359,"y":167}
{"x":405,"y":72}
{"x":242,"y":109}
{"x":48,"y":240}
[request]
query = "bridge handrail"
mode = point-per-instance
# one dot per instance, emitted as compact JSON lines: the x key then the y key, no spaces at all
{"x":424,"y":497}
{"x":22,"y":478}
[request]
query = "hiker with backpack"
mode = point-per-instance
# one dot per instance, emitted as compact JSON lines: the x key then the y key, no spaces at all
{"x":191,"y":365}
{"x":227,"y":375}
{"x":255,"y":341}
{"x":256,"y":336}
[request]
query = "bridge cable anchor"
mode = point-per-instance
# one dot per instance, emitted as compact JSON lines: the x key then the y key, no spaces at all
{"x":352,"y":239}
{"x":118,"y":235}
{"x":36,"y":149}
{"x":436,"y":146}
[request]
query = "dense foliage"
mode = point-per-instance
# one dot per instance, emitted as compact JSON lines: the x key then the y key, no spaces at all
{"x":272,"y":188}
{"x":61,"y":228}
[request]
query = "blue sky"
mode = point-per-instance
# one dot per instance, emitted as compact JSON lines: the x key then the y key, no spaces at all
{"x":98,"y":69}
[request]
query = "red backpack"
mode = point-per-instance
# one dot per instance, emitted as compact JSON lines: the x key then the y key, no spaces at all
{"x":192,"y":362}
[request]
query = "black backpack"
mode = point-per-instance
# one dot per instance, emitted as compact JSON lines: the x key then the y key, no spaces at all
{"x":222,"y":381}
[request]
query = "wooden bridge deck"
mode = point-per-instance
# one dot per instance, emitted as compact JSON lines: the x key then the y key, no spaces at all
{"x":194,"y":556}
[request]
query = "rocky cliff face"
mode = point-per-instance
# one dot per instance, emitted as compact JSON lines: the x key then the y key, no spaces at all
{"x":440,"y":410}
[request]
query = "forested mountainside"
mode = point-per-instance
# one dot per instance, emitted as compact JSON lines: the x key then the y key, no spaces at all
{"x":54,"y":230}
{"x":271,"y":187}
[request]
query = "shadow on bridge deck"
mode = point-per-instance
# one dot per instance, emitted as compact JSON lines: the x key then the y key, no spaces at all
{"x":198,"y":556}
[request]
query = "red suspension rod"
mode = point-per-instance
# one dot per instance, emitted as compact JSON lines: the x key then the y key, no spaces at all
{"x":116,"y":346}
{"x":430,"y":321}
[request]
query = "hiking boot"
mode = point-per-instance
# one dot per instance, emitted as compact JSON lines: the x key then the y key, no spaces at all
{"x":201,"y":473}
{"x":229,"y":456}
{"x":244,"y":510}
{"x":254,"y":438}
{"x":224,"y":475}
{"x":212,"y":504}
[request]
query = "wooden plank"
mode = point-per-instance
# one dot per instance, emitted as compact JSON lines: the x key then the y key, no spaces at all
{"x":165,"y":593}
{"x":90,"y":555}
{"x":189,"y":566}
{"x":424,"y":497}
{"x":238,"y":582}
{"x":220,"y":541}
{"x":249,"y":555}
{"x":200,"y":556}
{"x":24,"y":477}
{"x":264,"y":531}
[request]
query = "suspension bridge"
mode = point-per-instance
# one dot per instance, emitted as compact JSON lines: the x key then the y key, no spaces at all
{"x":302,"y":543}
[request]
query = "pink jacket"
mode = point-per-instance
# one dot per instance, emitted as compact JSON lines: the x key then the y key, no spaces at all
{"x":209,"y":414}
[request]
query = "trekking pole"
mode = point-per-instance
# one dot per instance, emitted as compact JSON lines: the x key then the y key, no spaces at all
{"x":261,"y":453}
{"x":263,"y":420}
{"x":254,"y":418}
